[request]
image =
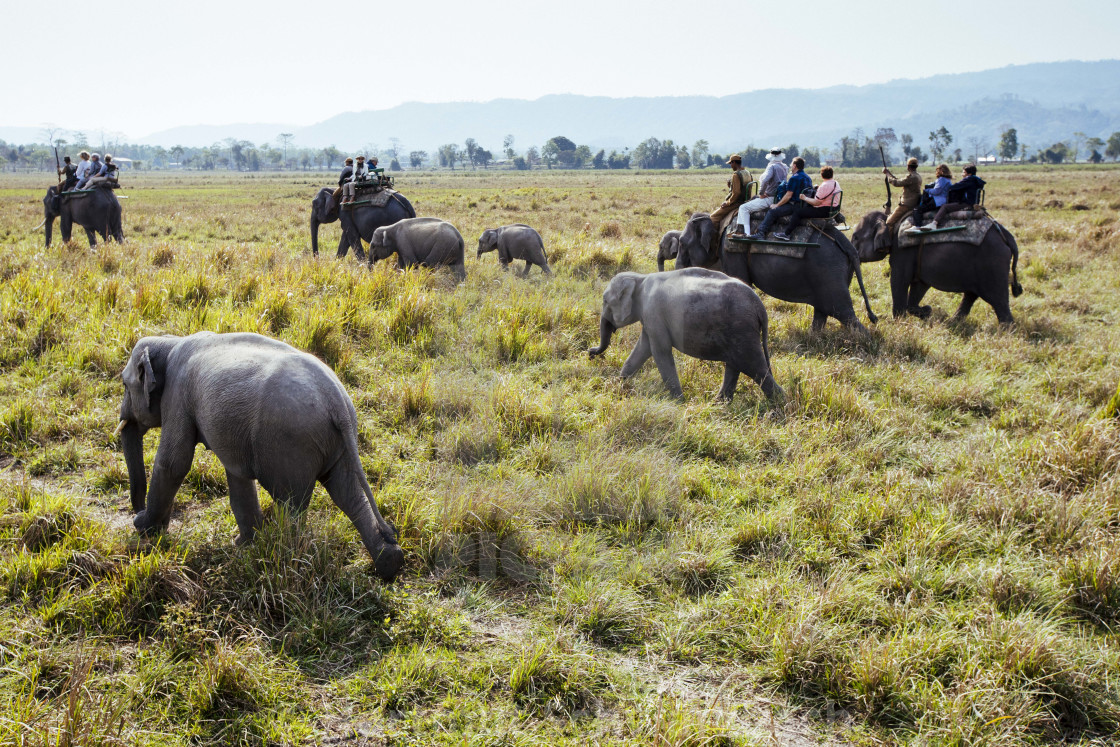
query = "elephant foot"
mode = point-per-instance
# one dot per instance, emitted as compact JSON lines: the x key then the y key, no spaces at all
{"x":146,"y":527}
{"x":240,"y":540}
{"x":922,"y":312}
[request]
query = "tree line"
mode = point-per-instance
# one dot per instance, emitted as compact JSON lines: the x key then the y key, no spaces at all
{"x":857,"y":149}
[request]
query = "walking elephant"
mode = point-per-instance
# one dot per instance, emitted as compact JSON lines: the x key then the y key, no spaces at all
{"x":358,"y":222}
{"x":668,"y":248}
{"x":979,"y":272}
{"x":96,"y":212}
{"x":428,"y":242}
{"x":701,"y":313}
{"x":820,"y":279}
{"x":694,"y":245}
{"x":515,"y":241}
{"x":269,"y":412}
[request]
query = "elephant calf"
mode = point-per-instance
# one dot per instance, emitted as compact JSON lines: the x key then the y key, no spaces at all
{"x":516,"y":241}
{"x":667,"y":249}
{"x":269,"y":412}
{"x":702,"y":313}
{"x":429,"y":242}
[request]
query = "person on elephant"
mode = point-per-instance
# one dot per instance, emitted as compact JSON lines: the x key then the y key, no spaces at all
{"x":788,"y":191}
{"x":343,"y":177}
{"x":360,"y":174}
{"x":82,"y":171}
{"x":962,"y":195}
{"x":775,"y":173}
{"x":934,"y":196}
{"x":820,"y":206}
{"x":96,"y":169}
{"x":736,"y":190}
{"x":102,"y":175}
{"x":376,"y":174}
{"x":911,"y":186}
{"x":66,"y":172}
{"x":112,"y":172}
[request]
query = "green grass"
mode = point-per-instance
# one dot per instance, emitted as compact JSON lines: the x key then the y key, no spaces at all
{"x":919,"y":547}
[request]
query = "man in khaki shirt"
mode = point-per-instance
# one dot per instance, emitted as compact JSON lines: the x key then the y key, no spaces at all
{"x":911,"y":185}
{"x":736,"y":190}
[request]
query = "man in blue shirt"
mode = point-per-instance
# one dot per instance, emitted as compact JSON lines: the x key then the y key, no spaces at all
{"x":787,"y":197}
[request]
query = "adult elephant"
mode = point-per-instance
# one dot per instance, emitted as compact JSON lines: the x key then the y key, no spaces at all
{"x":821,"y":278}
{"x":978,"y":271}
{"x":358,"y":222}
{"x":270,"y":413}
{"x":695,"y":244}
{"x":97,"y":212}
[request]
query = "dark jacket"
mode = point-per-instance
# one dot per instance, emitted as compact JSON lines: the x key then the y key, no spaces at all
{"x":967,"y":190}
{"x":345,"y":175}
{"x":98,"y":169}
{"x":796,"y":183}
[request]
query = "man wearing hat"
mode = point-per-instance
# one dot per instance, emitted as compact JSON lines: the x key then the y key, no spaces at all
{"x":911,"y":186}
{"x":350,"y":188}
{"x":775,"y":174}
{"x":736,"y":190}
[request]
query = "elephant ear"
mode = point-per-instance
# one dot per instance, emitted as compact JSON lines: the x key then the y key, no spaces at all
{"x":674,"y":245}
{"x":620,"y":298}
{"x":147,"y":377}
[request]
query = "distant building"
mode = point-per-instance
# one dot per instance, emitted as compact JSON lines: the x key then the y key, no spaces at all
{"x":122,"y":163}
{"x":986,"y":159}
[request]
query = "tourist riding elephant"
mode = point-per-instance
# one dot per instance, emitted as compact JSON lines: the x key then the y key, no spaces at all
{"x":976,"y":271}
{"x":358,"y":222}
{"x":269,"y":412}
{"x":702,"y":313}
{"x":516,"y":241}
{"x":668,"y":247}
{"x":820,"y":278}
{"x":97,"y":211}
{"x":429,"y":242}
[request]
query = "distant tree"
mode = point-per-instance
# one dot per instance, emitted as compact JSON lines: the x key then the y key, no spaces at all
{"x":305,"y":160}
{"x":532,"y":156}
{"x":394,"y":148}
{"x":655,"y":154}
{"x":549,"y":152}
{"x":916,"y":152}
{"x":754,"y":158}
{"x":80,"y":140}
{"x":582,"y":156}
{"x":792,"y":152}
{"x":463,"y":158}
{"x":907,"y":143}
{"x":600,"y":160}
{"x":978,"y":146}
{"x":1075,"y":143}
{"x":1008,"y":143}
{"x":285,"y":140}
{"x":507,"y":147}
{"x":1112,"y":150}
{"x":885,"y":137}
{"x":939,"y":141}
{"x":684,"y":160}
{"x":331,"y":154}
{"x":394,"y":165}
{"x":958,"y":156}
{"x":483,"y":157}
{"x":1095,"y":156}
{"x":699,"y":154}
{"x":1056,"y":153}
{"x":618,"y":160}
{"x":416,"y":158}
{"x":448,"y":155}
{"x":812,"y":158}
{"x":564,"y":152}
{"x":520,"y":164}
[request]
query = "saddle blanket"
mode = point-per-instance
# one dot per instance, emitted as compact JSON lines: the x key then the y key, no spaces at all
{"x":379,"y":198}
{"x":976,"y":227}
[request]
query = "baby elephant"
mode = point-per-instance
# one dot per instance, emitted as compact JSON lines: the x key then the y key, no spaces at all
{"x":429,"y":242}
{"x":516,"y":241}
{"x":270,"y":413}
{"x":668,"y":248}
{"x":699,"y":312}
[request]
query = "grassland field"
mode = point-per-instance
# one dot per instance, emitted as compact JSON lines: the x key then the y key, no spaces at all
{"x":920,"y":546}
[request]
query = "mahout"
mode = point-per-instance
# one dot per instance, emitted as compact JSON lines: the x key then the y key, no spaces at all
{"x":979,"y":270}
{"x":269,"y":412}
{"x":513,"y":242}
{"x":425,"y":242}
{"x":820,"y":278}
{"x":701,"y":313}
{"x":97,"y":211}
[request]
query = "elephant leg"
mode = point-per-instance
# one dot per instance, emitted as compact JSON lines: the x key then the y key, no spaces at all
{"x":900,"y":287}
{"x":730,"y":381}
{"x":246,"y":508}
{"x":347,"y":488}
{"x":819,"y":320}
{"x":663,"y":357}
{"x":528,"y":264}
{"x":343,"y":244}
{"x":460,"y":271}
{"x":504,"y":263}
{"x":545,"y":268}
{"x":914,"y":300}
{"x":92,"y":237}
{"x":1000,"y":304}
{"x":751,"y":360}
{"x":966,"y":305}
{"x":169,"y":468}
{"x":638,"y":356}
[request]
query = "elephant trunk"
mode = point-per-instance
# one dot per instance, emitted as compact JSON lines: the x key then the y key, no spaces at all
{"x":132,"y":443}
{"x":49,"y":229}
{"x":606,"y":329}
{"x":314,"y":233}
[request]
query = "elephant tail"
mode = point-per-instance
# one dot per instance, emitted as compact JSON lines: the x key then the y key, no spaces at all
{"x":1016,"y":289}
{"x":853,"y":263}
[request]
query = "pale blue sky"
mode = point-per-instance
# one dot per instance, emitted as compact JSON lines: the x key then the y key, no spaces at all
{"x":213,"y":62}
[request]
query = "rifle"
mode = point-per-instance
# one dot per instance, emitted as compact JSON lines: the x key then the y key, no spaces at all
{"x":58,"y":169}
{"x":886,"y":180}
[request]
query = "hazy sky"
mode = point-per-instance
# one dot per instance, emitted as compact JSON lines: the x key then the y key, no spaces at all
{"x":209,"y":62}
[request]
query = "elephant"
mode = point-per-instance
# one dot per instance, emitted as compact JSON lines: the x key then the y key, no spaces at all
{"x":668,"y":248}
{"x":516,"y":241}
{"x":269,"y":412}
{"x":702,"y":313}
{"x":429,"y":242}
{"x":820,"y":279}
{"x":98,"y":211}
{"x":976,"y":271}
{"x":358,"y":222}
{"x":695,"y":243}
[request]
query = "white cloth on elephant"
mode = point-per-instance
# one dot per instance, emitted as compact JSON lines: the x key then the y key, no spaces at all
{"x":757,"y":205}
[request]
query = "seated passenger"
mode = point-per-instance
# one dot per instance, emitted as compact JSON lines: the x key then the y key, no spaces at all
{"x":67,"y":171}
{"x":82,"y":172}
{"x":112,"y":173}
{"x":360,"y":174}
{"x":962,"y":195}
{"x":828,"y":197}
{"x":99,"y":173}
{"x":96,"y":168}
{"x":786,"y":193}
{"x":935,"y":195}
{"x":774,"y":175}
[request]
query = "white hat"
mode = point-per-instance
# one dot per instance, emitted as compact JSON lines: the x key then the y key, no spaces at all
{"x":775,"y":154}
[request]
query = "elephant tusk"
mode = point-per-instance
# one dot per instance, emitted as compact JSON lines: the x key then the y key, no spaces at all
{"x":36,"y":228}
{"x":120,"y":427}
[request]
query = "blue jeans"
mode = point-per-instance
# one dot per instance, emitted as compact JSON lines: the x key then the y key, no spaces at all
{"x":773,"y":214}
